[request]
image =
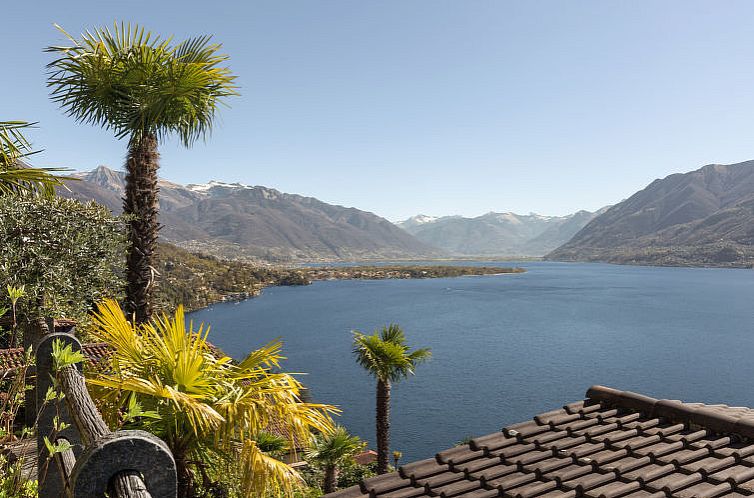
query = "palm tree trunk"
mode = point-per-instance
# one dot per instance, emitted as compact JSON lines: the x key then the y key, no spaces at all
{"x":142,"y":204}
{"x":383,"y":425}
{"x":330,"y":479}
{"x":185,"y":478}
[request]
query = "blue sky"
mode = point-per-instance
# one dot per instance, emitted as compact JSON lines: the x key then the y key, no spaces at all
{"x":436,"y":107}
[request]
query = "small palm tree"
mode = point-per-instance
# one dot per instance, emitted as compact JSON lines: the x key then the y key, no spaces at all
{"x":386,"y":356}
{"x":332,"y":450}
{"x":272,"y":444}
{"x":142,"y":88}
{"x":15,"y":176}
{"x":203,"y":405}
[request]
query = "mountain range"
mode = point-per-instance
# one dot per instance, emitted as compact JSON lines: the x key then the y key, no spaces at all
{"x":239,"y":221}
{"x":497,"y":234}
{"x":704,"y":217}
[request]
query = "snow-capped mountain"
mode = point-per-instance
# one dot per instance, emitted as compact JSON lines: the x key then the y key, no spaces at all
{"x":496,"y":234}
{"x":236,"y":220}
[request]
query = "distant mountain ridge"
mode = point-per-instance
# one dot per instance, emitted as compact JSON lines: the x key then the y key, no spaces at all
{"x":704,"y":217}
{"x":255,"y":222}
{"x":496,"y":234}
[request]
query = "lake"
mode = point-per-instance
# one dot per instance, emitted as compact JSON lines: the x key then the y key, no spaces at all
{"x":510,"y":346}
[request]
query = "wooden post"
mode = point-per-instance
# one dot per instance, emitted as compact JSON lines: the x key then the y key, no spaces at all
{"x":128,"y":484}
{"x":133,"y":464}
{"x":124,"y":464}
{"x":33,"y":331}
{"x":81,"y":407}
{"x":52,"y":474}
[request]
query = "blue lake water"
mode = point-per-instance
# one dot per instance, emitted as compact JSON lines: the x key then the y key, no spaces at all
{"x":510,"y":346}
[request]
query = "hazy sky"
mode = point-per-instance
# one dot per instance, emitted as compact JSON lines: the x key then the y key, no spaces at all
{"x":436,"y":107}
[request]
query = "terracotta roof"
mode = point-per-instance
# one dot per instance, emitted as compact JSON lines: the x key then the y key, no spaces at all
{"x":61,"y":324}
{"x":366,"y":457}
{"x":614,"y":444}
{"x":95,"y":352}
{"x":12,"y":359}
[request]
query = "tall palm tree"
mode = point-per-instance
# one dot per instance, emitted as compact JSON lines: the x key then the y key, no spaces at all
{"x":331,"y":450}
{"x":143,"y":88}
{"x":203,"y":405}
{"x":386,"y":356}
{"x":15,"y":175}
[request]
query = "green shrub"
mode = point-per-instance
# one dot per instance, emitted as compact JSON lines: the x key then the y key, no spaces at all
{"x":353,"y":473}
{"x":12,"y":483}
{"x":70,"y":253}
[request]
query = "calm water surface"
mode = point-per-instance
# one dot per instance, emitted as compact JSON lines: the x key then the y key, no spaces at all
{"x":507,"y":347}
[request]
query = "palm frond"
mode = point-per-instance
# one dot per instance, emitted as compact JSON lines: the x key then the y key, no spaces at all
{"x":204,"y":400}
{"x":385,"y":354}
{"x":111,"y":326}
{"x":393,"y":334}
{"x":135,"y":83}
{"x":334,"y":448}
{"x":15,"y":175}
{"x":264,"y":475}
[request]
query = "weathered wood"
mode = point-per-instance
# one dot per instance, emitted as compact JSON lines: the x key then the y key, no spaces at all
{"x":92,"y":427}
{"x":81,"y":407}
{"x":140,"y":452}
{"x":25,"y":452}
{"x":33,"y":332}
{"x":52,"y":482}
{"x":128,"y":484}
{"x":65,"y":462}
{"x":119,"y":464}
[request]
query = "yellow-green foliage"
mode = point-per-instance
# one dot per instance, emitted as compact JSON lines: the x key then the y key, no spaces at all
{"x":12,"y":483}
{"x":204,"y":402}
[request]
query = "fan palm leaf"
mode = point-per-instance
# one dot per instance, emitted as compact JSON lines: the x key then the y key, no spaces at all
{"x":205,"y":400}
{"x":15,"y":175}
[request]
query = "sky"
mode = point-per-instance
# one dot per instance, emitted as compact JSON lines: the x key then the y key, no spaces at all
{"x":428,"y":106}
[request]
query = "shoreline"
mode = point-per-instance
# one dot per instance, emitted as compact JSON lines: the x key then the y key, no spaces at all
{"x":306,"y":276}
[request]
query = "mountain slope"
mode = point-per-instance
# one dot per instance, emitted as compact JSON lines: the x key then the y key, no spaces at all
{"x":496,"y":234}
{"x":705,"y":217}
{"x":240,"y":221}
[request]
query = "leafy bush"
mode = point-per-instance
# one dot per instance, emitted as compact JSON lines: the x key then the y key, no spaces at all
{"x":353,"y":473}
{"x":12,"y":483}
{"x":60,"y":249}
{"x":13,"y":479}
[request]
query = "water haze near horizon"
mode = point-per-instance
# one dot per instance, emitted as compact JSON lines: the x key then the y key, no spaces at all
{"x":507,"y":347}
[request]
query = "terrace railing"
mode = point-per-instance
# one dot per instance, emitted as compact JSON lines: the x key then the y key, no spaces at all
{"x":127,"y":463}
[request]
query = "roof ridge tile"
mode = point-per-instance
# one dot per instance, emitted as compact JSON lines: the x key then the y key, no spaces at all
{"x":719,"y":418}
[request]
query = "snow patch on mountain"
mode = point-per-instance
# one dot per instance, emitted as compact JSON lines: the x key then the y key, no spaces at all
{"x":205,"y":187}
{"x":423,"y":218}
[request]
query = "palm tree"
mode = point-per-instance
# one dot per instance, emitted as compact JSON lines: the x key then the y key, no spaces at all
{"x":202,"y":404}
{"x":15,"y":175}
{"x":272,"y":444}
{"x":142,"y":88}
{"x":386,"y":356}
{"x":332,"y":450}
